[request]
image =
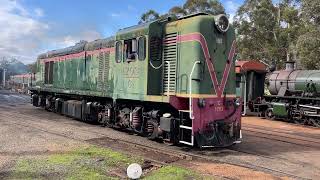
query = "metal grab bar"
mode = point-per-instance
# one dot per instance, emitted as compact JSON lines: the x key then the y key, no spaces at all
{"x":190,"y":90}
{"x":245,"y":96}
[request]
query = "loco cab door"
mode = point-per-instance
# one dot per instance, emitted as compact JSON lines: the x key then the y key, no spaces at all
{"x":133,"y":69}
{"x":130,"y":68}
{"x":155,"y":61}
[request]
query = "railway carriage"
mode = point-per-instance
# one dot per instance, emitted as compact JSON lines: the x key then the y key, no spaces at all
{"x":167,"y":79}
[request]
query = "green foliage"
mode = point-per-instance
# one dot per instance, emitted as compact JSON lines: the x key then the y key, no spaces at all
{"x":13,"y":66}
{"x":311,"y":11}
{"x":83,"y":163}
{"x":309,"y":49}
{"x":189,"y":7}
{"x":32,"y":68}
{"x":150,"y":15}
{"x":173,"y":172}
{"x":309,"y":40}
{"x":268,"y":31}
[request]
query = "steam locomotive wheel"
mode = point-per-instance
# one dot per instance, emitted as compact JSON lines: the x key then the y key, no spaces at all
{"x":269,"y":113}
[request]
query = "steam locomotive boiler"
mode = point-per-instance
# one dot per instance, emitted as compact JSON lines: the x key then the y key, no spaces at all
{"x":295,"y":95}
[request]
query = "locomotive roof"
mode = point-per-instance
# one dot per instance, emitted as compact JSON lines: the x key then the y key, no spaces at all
{"x":143,"y":26}
{"x":251,"y":65}
{"x":79,"y":47}
{"x":125,"y":33}
{"x":134,"y":31}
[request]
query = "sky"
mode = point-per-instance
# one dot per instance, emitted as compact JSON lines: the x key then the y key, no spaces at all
{"x":31,"y":27}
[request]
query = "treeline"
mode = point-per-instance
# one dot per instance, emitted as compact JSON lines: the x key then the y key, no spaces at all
{"x":13,"y":66}
{"x":267,"y":31}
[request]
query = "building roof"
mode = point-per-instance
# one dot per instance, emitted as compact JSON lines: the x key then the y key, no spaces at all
{"x":21,"y":76}
{"x":252,"y":65}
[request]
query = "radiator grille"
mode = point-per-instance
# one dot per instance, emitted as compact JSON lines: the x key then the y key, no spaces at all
{"x":106,"y":69}
{"x":169,"y":57}
{"x":155,"y":49}
{"x":103,"y":70}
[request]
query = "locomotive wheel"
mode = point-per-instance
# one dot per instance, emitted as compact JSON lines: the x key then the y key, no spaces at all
{"x":269,"y":113}
{"x":152,"y":129}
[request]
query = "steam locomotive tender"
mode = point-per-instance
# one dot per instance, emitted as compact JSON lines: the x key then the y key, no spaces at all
{"x":168,"y":79}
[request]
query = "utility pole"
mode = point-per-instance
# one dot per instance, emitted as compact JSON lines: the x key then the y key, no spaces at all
{"x":4,"y":78}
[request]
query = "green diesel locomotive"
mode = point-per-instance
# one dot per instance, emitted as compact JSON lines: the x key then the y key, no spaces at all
{"x":167,"y":79}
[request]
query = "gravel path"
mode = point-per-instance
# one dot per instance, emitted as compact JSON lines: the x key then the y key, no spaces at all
{"x":30,"y":131}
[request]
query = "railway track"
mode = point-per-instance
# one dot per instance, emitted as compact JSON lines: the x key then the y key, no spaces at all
{"x":179,"y":153}
{"x":277,"y":135}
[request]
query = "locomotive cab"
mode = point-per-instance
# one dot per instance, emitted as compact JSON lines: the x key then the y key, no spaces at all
{"x":198,"y":62}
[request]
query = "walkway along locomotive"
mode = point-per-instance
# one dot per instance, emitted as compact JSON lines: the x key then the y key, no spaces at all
{"x":171,"y":80}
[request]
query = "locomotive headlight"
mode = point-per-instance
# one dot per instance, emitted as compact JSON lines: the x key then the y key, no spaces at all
{"x":222,"y":23}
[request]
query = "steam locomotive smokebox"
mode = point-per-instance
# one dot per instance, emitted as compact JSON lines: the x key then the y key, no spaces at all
{"x":75,"y":109}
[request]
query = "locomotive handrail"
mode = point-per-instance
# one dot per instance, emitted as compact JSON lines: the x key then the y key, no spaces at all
{"x":154,"y":66}
{"x":245,"y":96}
{"x":190,"y":90}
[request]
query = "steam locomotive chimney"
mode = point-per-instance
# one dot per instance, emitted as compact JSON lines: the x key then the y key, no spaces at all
{"x":290,"y":65}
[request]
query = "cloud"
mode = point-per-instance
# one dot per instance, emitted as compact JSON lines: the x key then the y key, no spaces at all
{"x":131,"y":8}
{"x":19,"y":32}
{"x":39,"y":12}
{"x":115,"y":14}
{"x":24,"y":35}
{"x":70,"y":40}
{"x":231,"y":8}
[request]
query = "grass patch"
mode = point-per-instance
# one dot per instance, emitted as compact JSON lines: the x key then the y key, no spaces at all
{"x":87,"y":174}
{"x":83,"y":163}
{"x":90,"y":163}
{"x":174,"y":172}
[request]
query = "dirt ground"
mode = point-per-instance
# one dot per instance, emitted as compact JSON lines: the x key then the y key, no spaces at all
{"x":291,"y":151}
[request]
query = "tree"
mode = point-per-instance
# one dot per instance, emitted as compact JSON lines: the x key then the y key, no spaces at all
{"x":311,"y":11}
{"x":266,"y":31}
{"x":150,"y":15}
{"x":207,"y":6}
{"x":256,"y":23}
{"x":309,"y":41}
{"x":189,"y":7}
{"x":32,"y":68}
{"x":309,"y":51}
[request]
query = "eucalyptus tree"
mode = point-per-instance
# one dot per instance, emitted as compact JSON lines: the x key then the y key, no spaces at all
{"x":189,"y":7}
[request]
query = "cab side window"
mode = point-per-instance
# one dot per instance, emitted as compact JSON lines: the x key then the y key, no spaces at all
{"x":130,"y":49}
{"x":118,"y":51}
{"x":142,"y":48}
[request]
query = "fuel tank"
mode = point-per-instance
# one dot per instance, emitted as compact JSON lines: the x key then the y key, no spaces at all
{"x":293,"y":80}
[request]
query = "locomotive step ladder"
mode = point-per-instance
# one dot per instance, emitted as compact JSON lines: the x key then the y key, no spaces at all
{"x":185,"y":128}
{"x":186,"y":116}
